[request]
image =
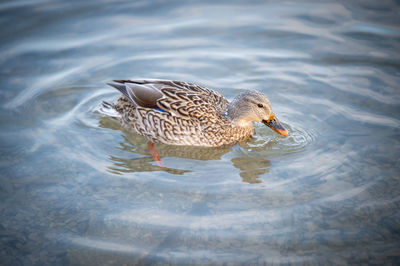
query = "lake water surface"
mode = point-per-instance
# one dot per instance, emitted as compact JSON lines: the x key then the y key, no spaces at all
{"x":78,"y":189}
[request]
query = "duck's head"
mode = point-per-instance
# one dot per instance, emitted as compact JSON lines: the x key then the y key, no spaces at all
{"x":253,"y":106}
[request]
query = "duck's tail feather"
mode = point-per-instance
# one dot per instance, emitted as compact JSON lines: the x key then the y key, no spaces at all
{"x":119,"y":86}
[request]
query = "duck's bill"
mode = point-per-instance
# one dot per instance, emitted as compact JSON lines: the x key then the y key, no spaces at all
{"x":274,"y":124}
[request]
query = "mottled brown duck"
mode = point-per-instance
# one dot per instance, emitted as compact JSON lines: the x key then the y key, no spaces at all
{"x":181,"y":113}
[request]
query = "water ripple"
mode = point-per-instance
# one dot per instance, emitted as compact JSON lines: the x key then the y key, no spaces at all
{"x":73,"y":177}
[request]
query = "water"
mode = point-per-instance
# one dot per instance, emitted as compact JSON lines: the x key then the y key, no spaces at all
{"x":77,"y":189}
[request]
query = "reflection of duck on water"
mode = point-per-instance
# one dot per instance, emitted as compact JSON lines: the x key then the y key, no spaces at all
{"x":251,"y":168}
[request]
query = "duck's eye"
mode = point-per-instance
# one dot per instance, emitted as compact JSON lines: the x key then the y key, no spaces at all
{"x":260,"y":105}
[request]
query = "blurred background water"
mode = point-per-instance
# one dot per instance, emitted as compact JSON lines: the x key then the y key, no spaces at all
{"x":77,"y":189}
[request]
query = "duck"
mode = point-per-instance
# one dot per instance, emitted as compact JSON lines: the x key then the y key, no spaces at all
{"x":181,"y":113}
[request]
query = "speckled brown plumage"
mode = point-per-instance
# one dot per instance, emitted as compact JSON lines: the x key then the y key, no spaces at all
{"x":180,"y":113}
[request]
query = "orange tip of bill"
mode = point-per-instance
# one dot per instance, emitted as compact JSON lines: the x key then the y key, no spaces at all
{"x":283,"y":132}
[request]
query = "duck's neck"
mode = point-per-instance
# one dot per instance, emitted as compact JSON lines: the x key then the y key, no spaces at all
{"x":237,"y":117}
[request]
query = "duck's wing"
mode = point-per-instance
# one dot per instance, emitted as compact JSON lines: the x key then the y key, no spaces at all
{"x":179,"y":98}
{"x":140,"y":94}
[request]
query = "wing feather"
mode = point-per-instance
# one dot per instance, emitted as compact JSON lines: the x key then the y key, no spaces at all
{"x":186,"y":100}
